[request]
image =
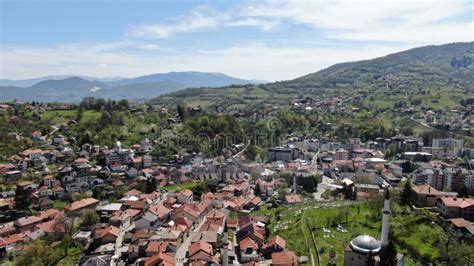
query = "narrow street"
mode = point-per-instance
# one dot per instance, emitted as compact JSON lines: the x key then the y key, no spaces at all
{"x":183,"y":248}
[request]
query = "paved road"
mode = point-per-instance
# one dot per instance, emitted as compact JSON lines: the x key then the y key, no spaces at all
{"x":118,"y":242}
{"x":183,"y":248}
{"x":325,"y":182}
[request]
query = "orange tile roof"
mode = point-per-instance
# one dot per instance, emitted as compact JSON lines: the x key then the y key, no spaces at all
{"x":159,"y":210}
{"x":457,"y":202}
{"x":165,"y":260}
{"x":294,"y":198}
{"x":248,"y":243}
{"x":276,"y":240}
{"x":109,"y":230}
{"x":80,"y":204}
{"x":284,"y":258}
{"x":12,"y":239}
{"x":156,"y":246}
{"x":210,"y":227}
{"x":185,"y":192}
{"x":215,"y":215}
{"x":460,"y":223}
{"x":200,"y":246}
{"x":48,"y":214}
{"x":122,"y":215}
{"x":426,"y":190}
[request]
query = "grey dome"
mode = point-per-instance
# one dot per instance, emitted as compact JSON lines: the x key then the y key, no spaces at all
{"x":365,"y":244}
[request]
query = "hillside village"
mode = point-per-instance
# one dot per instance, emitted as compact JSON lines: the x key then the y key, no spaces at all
{"x":122,"y":206}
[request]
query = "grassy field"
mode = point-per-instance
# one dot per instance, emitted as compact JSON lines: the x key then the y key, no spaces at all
{"x":59,"y":205}
{"x":61,"y":116}
{"x":182,"y":186}
{"x":293,"y":223}
{"x":415,"y":233}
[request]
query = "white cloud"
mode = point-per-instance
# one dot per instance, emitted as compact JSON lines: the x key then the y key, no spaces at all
{"x":251,"y":61}
{"x":381,"y":20}
{"x":199,"y":19}
{"x":379,"y":27}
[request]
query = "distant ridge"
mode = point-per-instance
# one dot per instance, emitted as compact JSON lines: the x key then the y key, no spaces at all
{"x":71,"y":88}
{"x":442,"y":75}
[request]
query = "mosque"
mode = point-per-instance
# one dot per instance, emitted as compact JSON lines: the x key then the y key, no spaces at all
{"x":363,"y":249}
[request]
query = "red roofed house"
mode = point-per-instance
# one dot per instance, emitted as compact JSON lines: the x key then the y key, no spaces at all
{"x":425,"y":196}
{"x":216,"y":217}
{"x":292,"y":199}
{"x":275,"y":244}
{"x":248,"y":250}
{"x":456,"y":207}
{"x":108,"y":234}
{"x":463,"y":226}
{"x":77,"y":207}
{"x":200,"y":252}
{"x":184,"y":196}
{"x":26,"y":223}
{"x":160,"y":259}
{"x":286,"y":258}
{"x":185,"y":212}
{"x":159,"y":246}
{"x":8,"y":243}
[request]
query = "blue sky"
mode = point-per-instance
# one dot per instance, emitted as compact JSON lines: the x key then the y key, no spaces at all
{"x":269,"y":40}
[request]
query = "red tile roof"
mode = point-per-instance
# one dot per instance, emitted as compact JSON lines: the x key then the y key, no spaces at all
{"x":426,"y":190}
{"x":185,"y":192}
{"x":108,"y":230}
{"x":156,"y":246}
{"x":160,"y":259}
{"x":12,"y":239}
{"x":248,"y":243}
{"x":286,"y":258}
{"x":294,"y":198}
{"x":159,"y":210}
{"x":461,"y":223}
{"x":457,"y":202}
{"x":78,"y":205}
{"x":276,"y":240}
{"x":200,"y":246}
{"x":25,"y":221}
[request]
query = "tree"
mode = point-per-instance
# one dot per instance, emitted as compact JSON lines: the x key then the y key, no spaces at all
{"x":40,"y":253}
{"x":181,"y":112}
{"x":123,"y":104}
{"x":89,"y":218}
{"x":150,"y":185}
{"x":22,"y":200}
{"x":388,"y":255}
{"x":80,"y":114}
{"x":257,"y":191}
{"x":463,"y":191}
{"x":405,"y":196}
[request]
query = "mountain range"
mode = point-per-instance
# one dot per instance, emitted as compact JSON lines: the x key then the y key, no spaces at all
{"x":437,"y":76}
{"x":70,"y":88}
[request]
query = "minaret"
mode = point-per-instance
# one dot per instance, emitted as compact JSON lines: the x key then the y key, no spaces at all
{"x":294,"y":184}
{"x":386,"y":219}
{"x":225,"y":253}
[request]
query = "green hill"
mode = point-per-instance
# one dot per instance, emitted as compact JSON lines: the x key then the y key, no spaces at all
{"x":431,"y":76}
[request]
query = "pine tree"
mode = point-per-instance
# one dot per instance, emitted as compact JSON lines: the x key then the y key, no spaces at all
{"x":463,"y":191}
{"x":406,"y":193}
{"x":388,"y":255}
{"x":257,"y":190}
{"x":181,"y":112}
{"x":150,"y":186}
{"x":21,"y":199}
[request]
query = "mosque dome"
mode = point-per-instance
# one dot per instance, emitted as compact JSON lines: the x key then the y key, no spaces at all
{"x":365,"y":244}
{"x":118,"y":145}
